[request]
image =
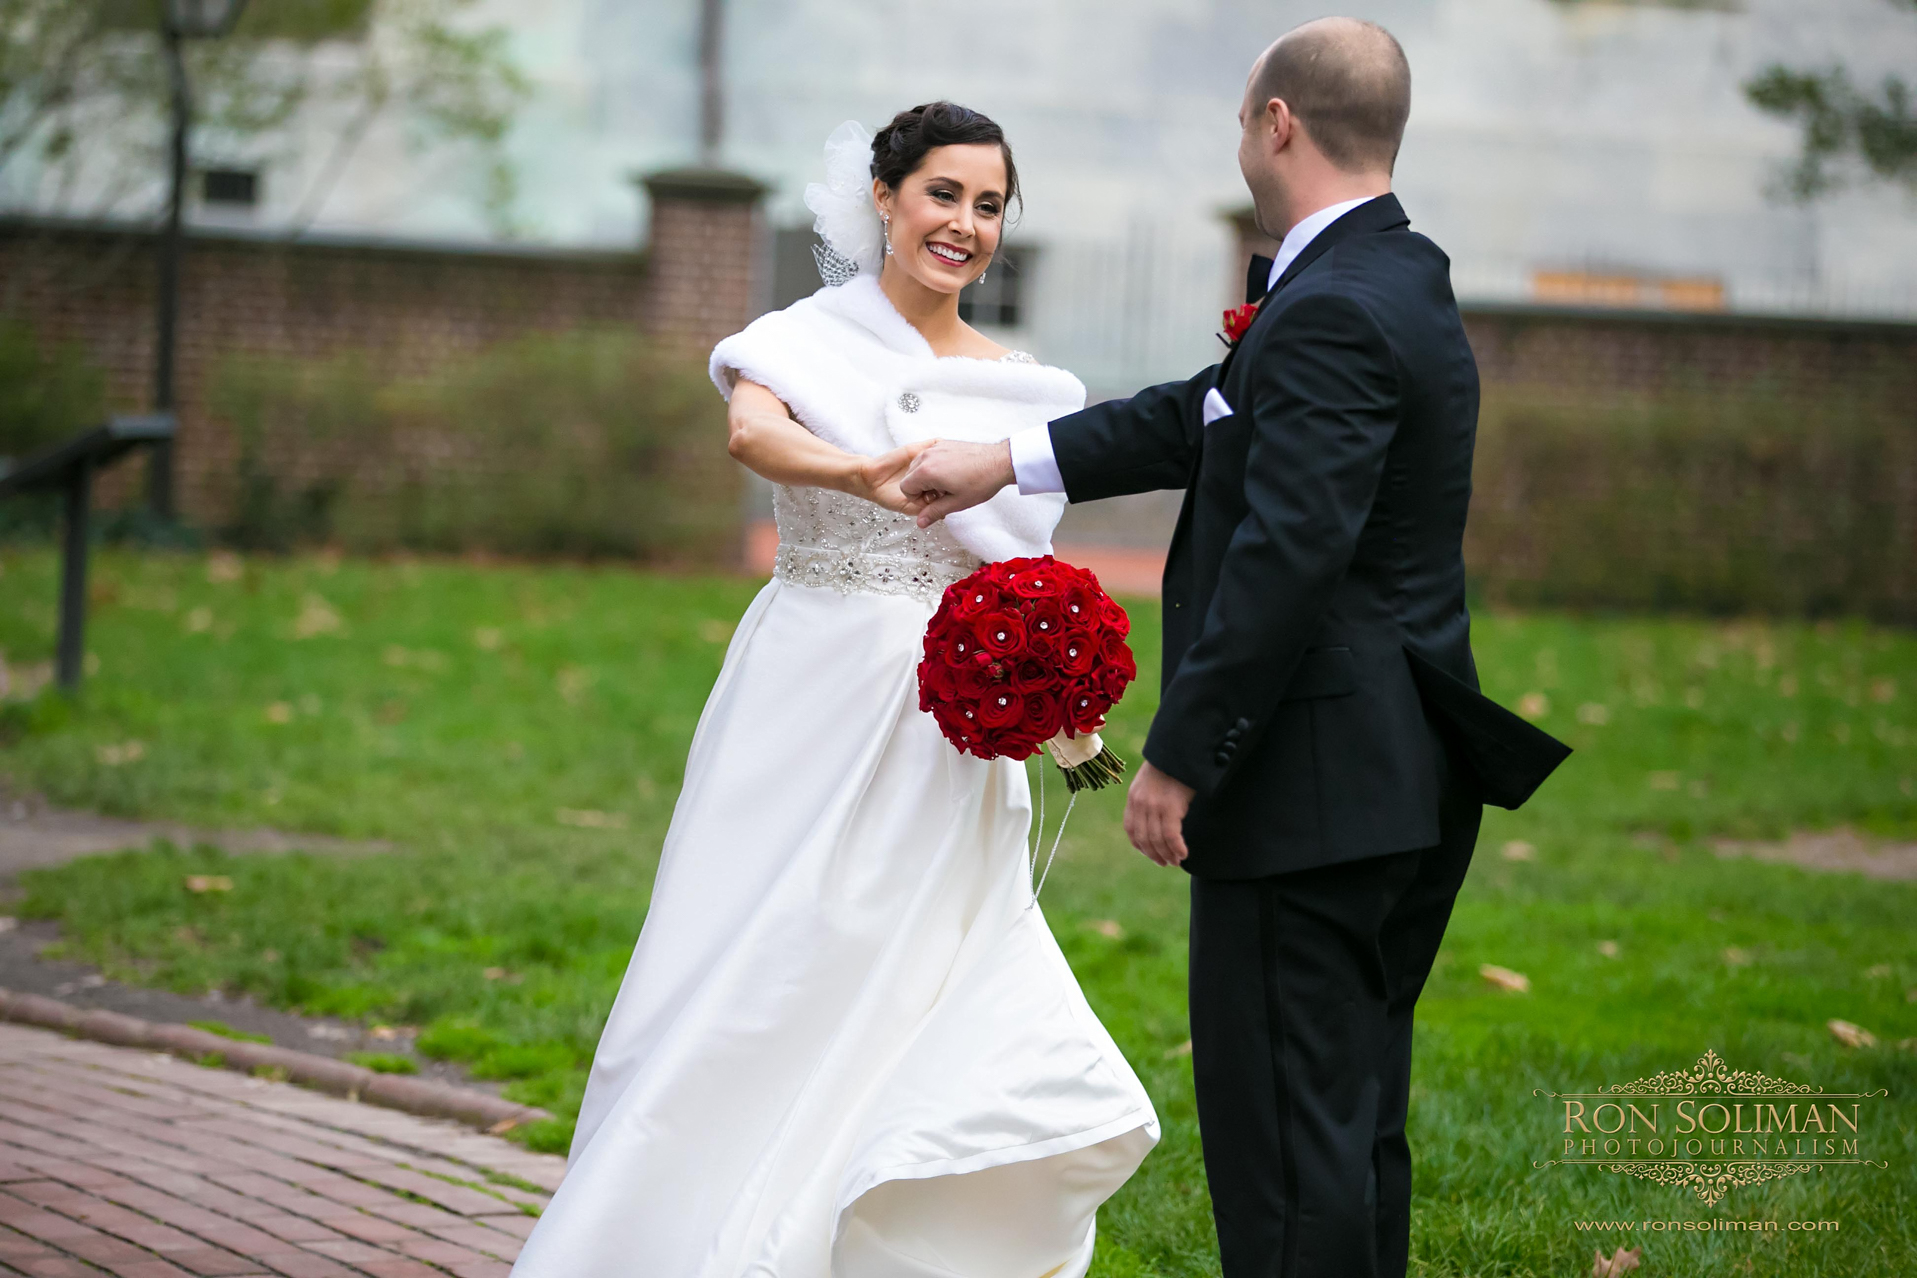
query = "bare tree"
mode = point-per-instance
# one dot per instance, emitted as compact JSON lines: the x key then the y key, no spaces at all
{"x":92,"y":69}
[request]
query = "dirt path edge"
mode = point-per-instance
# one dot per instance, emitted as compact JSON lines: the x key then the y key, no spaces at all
{"x":322,"y":1073}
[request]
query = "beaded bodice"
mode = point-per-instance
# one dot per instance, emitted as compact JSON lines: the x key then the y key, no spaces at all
{"x":847,"y":544}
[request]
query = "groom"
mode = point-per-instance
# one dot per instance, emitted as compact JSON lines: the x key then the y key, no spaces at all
{"x":1321,"y":751}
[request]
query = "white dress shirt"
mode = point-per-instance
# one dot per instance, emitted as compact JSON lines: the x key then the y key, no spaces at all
{"x":1033,"y":463}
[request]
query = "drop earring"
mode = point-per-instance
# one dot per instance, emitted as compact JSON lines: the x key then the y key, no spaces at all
{"x":886,"y":218}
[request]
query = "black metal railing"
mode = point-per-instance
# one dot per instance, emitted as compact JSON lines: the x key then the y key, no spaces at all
{"x":69,"y":467}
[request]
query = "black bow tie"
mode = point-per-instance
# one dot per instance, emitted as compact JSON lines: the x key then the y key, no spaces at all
{"x":1257,"y":279}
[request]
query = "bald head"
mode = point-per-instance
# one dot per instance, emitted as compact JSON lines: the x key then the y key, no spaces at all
{"x":1347,"y":82}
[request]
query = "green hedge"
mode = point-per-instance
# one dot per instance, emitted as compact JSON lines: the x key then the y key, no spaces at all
{"x":592,"y":443}
{"x":1698,"y":502}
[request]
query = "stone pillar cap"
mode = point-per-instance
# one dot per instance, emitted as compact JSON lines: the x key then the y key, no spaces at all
{"x":709,"y":186}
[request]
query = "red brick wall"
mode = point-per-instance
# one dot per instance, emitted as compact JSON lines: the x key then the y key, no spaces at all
{"x":704,"y":279}
{"x":409,"y":309}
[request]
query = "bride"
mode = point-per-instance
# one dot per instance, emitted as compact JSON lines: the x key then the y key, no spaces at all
{"x":845,"y":1046}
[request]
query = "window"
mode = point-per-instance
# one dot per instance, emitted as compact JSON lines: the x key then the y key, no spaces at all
{"x":997,"y":299}
{"x":236,"y":187}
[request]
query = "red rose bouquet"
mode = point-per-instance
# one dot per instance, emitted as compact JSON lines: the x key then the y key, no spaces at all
{"x":1027,"y":653}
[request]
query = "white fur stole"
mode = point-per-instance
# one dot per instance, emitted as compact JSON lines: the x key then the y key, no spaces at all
{"x":859,"y":376}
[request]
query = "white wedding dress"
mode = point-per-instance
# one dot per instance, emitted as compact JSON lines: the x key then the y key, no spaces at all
{"x":845,"y":1047}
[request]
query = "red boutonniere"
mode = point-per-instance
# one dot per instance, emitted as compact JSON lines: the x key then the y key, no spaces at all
{"x":1237,"y":322}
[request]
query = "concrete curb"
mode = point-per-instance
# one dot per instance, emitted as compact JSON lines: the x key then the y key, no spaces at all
{"x":323,"y":1073}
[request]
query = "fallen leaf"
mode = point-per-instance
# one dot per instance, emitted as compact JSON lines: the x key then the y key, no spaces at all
{"x":280,"y":712}
{"x":715,"y":631}
{"x":1621,"y":1262}
{"x":493,"y":973}
{"x":394,"y":655}
{"x":1519,"y":850}
{"x":1105,"y":927}
{"x":317,"y":617}
{"x":1878,"y":972}
{"x":113,"y":756}
{"x":1534,"y":705}
{"x":1594,"y":712}
{"x":1850,"y":1035}
{"x":1607,"y":948}
{"x":224,"y":567}
{"x":1907,"y":1044}
{"x":1505,"y":979}
{"x":8,"y":923}
{"x":208,"y":883}
{"x":199,"y":620}
{"x":572,"y":683}
{"x":1736,"y":957}
{"x":488,"y":638}
{"x":503,"y":1126}
{"x":1910,"y":995}
{"x":1183,"y":1049}
{"x":1665,"y":780}
{"x":1882,"y":691}
{"x":384,"y":1033}
{"x":587,"y":819}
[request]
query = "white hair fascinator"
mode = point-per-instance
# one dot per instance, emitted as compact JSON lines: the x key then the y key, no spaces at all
{"x":845,"y":218}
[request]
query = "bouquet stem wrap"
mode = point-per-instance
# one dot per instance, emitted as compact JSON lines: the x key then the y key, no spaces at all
{"x":1087,"y":762}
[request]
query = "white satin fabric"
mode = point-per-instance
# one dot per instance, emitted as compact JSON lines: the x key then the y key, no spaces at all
{"x":845,"y":1047}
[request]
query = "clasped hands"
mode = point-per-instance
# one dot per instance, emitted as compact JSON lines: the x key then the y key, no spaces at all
{"x":933,"y":478}
{"x":930,"y":480}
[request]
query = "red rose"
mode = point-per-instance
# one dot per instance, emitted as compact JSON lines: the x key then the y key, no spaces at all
{"x":1044,"y":716}
{"x":1113,"y":616}
{"x":1002,"y":708}
{"x":938,"y":681}
{"x":974,"y":600}
{"x":1044,"y":623}
{"x":1238,"y":322}
{"x":1112,"y":680}
{"x":1031,"y":676}
{"x":1077,"y":653}
{"x":1113,"y":648}
{"x":1085,"y":705}
{"x":1000,"y":633}
{"x":961,"y":646}
{"x":972,"y":683}
{"x":1080,"y":605}
{"x":1039,"y":581}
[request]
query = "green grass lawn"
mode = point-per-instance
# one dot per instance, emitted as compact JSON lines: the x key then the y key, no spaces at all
{"x":519,"y":732}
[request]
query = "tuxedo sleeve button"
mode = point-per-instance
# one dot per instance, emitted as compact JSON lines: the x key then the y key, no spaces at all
{"x":1243,"y":725}
{"x":1222,"y":758}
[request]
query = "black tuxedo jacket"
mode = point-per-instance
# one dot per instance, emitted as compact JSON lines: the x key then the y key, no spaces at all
{"x":1317,"y":648}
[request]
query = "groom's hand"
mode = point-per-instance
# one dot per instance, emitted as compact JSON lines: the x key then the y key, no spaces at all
{"x":1155,"y":815}
{"x":951,"y":476}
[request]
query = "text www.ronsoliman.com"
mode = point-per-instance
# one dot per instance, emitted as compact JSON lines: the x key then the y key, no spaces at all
{"x":1705,"y":1226}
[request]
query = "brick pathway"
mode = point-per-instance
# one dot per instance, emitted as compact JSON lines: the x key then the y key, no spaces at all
{"x":117,"y":1161}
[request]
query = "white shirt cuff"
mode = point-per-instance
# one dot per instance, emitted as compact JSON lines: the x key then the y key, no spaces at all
{"x":1033,"y":464}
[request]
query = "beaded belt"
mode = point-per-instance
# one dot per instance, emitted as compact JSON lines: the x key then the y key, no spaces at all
{"x":852,"y":572}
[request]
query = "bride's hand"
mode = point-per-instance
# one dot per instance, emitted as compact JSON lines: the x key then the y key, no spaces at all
{"x":876,"y":479}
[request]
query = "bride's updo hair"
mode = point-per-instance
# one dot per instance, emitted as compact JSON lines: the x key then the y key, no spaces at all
{"x":900,"y":147}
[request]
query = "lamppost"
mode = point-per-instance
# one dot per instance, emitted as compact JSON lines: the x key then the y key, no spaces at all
{"x":180,"y":21}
